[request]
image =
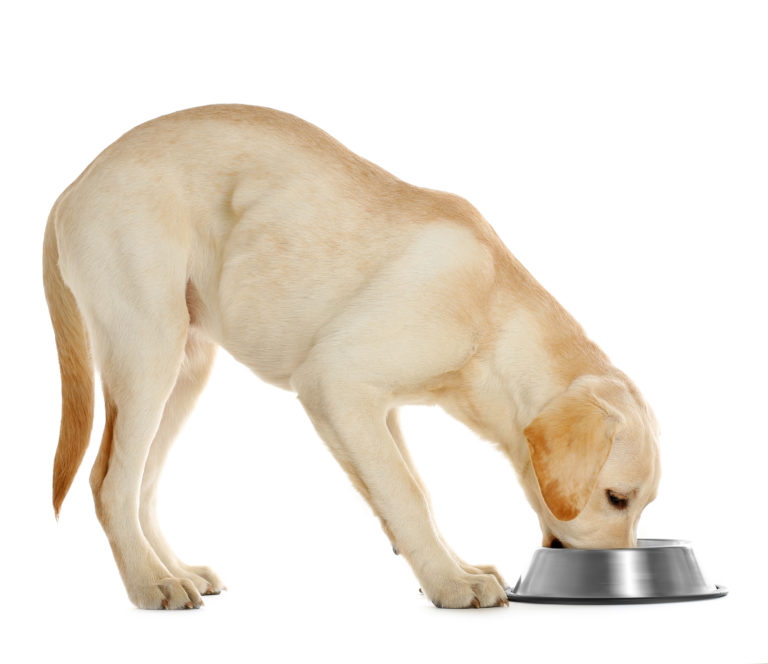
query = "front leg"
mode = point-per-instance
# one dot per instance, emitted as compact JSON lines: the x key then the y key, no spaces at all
{"x":352,"y":420}
{"x":394,"y":429}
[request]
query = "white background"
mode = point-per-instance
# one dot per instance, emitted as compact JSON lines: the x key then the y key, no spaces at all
{"x":621,"y":152}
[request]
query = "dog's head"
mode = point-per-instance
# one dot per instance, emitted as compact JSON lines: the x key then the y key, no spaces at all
{"x":595,"y":464}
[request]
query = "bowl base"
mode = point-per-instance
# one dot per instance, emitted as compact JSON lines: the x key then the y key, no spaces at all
{"x":512,"y":596}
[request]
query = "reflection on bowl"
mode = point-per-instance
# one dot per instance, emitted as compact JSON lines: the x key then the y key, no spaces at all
{"x":655,"y":571}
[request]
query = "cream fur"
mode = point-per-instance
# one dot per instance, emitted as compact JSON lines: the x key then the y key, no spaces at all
{"x":250,"y":229}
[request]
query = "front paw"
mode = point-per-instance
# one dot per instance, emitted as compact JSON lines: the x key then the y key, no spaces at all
{"x":466,"y":590}
{"x":213,"y":583}
{"x":483,"y":569}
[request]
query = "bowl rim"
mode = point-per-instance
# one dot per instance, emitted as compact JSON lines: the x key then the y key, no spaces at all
{"x":658,"y":543}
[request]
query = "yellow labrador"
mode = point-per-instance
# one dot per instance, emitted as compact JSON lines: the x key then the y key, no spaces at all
{"x":250,"y":229}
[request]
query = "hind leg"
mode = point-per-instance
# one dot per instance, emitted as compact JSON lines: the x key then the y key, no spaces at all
{"x":140,"y":357}
{"x":195,"y":369}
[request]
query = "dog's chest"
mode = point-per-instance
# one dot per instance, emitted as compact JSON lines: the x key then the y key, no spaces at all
{"x":283,"y":277}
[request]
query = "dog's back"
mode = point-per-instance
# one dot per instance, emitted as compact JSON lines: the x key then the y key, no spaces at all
{"x":272,"y":223}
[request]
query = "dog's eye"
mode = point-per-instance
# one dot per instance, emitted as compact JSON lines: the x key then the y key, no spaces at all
{"x":617,"y":500}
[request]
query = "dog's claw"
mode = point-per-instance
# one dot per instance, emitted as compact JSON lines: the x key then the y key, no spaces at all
{"x":165,"y":604}
{"x":476,"y":602}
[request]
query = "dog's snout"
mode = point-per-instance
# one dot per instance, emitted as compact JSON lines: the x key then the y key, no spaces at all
{"x":556,"y":544}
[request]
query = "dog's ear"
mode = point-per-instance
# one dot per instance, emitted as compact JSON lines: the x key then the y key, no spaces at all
{"x":569,"y":443}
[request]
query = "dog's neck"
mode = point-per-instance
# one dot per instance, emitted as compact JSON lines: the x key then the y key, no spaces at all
{"x":527,"y":359}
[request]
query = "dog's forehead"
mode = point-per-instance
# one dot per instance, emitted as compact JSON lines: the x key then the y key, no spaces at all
{"x":638,"y":421}
{"x":634,"y":458}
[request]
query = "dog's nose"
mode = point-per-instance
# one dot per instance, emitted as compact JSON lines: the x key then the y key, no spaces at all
{"x":556,"y":544}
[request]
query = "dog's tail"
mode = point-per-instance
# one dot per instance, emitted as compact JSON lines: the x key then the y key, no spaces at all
{"x":76,"y":370}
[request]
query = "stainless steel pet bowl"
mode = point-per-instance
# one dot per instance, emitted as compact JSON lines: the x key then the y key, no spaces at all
{"x":656,"y":571}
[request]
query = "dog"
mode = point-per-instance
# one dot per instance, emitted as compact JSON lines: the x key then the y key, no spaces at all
{"x":250,"y":229}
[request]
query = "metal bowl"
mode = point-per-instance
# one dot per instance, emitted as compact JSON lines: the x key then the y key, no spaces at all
{"x":656,"y":571}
